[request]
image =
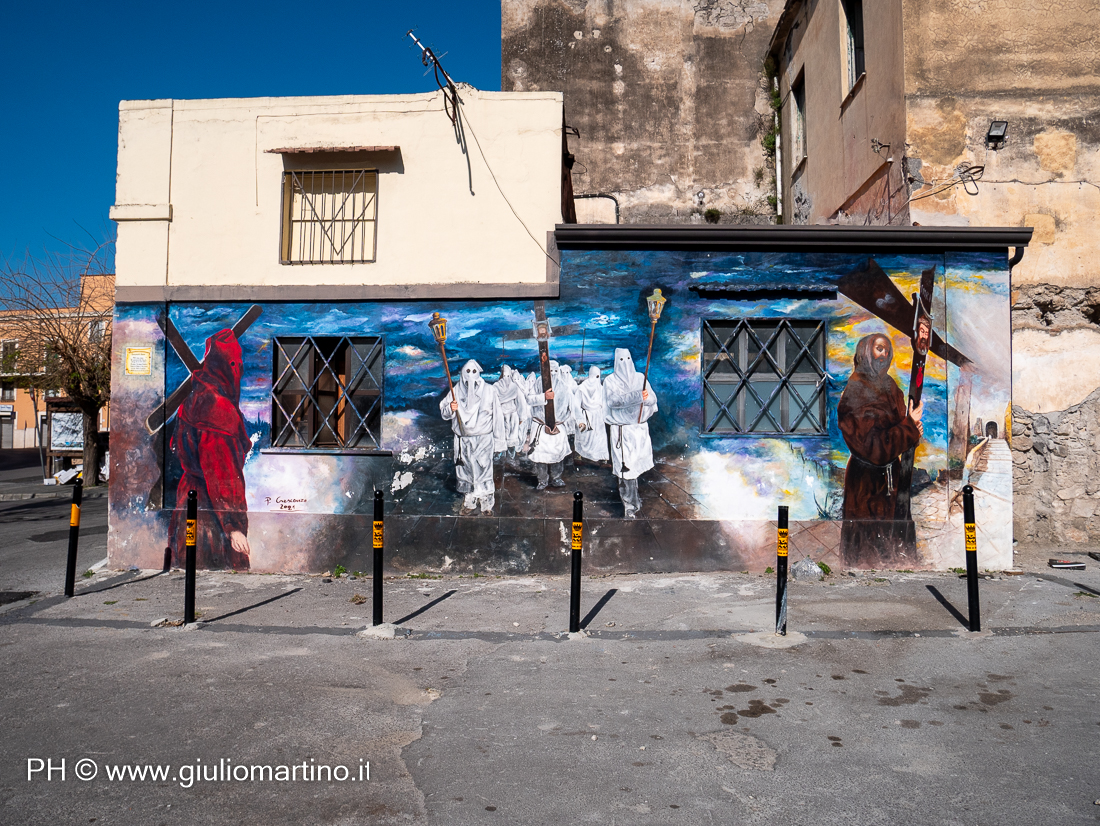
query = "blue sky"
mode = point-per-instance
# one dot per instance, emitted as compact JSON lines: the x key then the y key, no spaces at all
{"x":65,"y":66}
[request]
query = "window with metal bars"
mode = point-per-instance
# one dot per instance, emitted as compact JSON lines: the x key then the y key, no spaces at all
{"x":327,"y":392}
{"x":329,"y":216}
{"x":764,"y":376}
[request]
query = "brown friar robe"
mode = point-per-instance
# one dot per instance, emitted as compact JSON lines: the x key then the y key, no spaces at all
{"x":873,"y":419}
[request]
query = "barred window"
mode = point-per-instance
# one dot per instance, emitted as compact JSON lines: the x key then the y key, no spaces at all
{"x":764,"y":376}
{"x":327,"y":392}
{"x":329,"y":216}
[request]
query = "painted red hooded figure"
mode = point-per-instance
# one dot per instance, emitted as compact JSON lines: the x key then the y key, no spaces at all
{"x":211,"y":442}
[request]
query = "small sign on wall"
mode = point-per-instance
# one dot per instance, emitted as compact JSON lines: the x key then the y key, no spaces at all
{"x":139,"y":361}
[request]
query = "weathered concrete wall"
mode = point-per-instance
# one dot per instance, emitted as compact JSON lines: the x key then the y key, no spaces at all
{"x":668,"y":96}
{"x":1037,"y":65}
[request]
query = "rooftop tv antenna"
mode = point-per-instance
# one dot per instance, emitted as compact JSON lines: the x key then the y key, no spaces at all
{"x":442,"y":79}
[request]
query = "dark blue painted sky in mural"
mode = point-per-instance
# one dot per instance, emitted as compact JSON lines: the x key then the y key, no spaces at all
{"x":604,"y":293}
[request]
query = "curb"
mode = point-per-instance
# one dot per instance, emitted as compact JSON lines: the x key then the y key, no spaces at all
{"x":61,"y":494}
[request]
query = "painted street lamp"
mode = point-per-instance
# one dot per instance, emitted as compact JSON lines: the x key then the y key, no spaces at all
{"x":654,"y":305}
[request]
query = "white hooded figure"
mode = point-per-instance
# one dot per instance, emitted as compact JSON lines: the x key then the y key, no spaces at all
{"x":591,"y":408}
{"x":565,"y":390}
{"x":548,"y":448}
{"x":478,"y":424}
{"x":631,"y":448}
{"x":512,"y":394}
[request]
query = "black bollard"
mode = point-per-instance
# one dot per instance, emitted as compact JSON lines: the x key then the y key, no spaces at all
{"x":377,"y":537}
{"x":189,"y":575}
{"x":781,"y":574}
{"x":974,"y":609}
{"x":74,"y":537}
{"x":575,"y":572}
{"x":167,"y":560}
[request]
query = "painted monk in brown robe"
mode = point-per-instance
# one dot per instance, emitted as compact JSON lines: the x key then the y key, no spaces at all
{"x":878,"y":428}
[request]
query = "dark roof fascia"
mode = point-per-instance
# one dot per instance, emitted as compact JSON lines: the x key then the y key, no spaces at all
{"x":709,"y":238}
{"x":783,"y":28}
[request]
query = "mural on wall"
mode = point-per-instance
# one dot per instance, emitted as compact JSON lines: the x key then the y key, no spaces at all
{"x":479,"y":461}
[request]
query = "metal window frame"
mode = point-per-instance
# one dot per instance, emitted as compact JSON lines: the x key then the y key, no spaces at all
{"x":284,"y":423}
{"x":732,"y":348}
{"x":798,"y":125}
{"x":311,"y":237}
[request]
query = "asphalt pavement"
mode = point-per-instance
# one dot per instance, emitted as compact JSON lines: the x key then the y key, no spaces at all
{"x":678,"y":703}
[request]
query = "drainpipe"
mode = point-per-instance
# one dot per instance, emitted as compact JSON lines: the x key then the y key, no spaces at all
{"x":778,"y":158}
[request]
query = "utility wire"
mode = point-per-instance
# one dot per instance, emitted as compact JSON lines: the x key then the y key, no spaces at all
{"x":455,"y":109}
{"x":477,"y":143}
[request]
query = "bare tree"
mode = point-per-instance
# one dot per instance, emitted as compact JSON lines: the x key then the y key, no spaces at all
{"x":59,"y":308}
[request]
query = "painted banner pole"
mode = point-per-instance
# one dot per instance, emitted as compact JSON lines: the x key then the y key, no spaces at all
{"x":377,"y":535}
{"x":974,"y":609}
{"x":74,"y":538}
{"x":575,"y":573}
{"x":781,"y":574}
{"x":189,"y":574}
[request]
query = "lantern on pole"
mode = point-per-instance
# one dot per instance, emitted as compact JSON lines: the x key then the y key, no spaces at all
{"x":654,"y":305}
{"x":438,"y":326}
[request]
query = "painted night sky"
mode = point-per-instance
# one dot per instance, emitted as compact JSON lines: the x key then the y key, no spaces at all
{"x":735,"y":477}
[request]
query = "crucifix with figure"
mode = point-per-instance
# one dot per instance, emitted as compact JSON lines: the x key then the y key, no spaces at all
{"x":542,"y":332}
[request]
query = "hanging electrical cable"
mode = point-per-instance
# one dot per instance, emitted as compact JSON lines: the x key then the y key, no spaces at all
{"x":965,"y":174}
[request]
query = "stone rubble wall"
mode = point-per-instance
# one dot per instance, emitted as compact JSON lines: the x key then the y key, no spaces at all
{"x":1056,"y":474}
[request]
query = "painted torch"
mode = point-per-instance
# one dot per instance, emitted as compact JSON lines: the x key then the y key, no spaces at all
{"x":438,"y":326}
{"x":654,"y":304}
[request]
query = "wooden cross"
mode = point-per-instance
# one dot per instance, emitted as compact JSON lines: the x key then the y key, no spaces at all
{"x":162,"y":414}
{"x":542,"y":332}
{"x":921,"y":341}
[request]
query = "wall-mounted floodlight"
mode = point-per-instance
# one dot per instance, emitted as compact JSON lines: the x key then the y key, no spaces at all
{"x":997,"y":134}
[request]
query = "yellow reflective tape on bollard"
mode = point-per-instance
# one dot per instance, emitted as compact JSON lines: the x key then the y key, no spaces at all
{"x":781,"y":546}
{"x":576,"y":536}
{"x":971,"y":539}
{"x":377,"y":535}
{"x":191,"y":532}
{"x":74,"y":518}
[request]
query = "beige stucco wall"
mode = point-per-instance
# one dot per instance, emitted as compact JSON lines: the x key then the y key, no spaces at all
{"x":842,"y":178}
{"x":1037,"y":65}
{"x":198,"y":192}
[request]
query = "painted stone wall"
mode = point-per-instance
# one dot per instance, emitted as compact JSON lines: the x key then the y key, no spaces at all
{"x":706,"y":504}
{"x":669,"y":99}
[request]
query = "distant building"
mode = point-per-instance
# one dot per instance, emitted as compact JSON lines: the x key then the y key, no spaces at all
{"x":24,"y":419}
{"x":954,"y":114}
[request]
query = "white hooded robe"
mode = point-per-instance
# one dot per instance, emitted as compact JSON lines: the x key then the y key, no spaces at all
{"x":480,"y":433}
{"x":591,"y":443}
{"x":631,"y":447}
{"x":512,"y":393}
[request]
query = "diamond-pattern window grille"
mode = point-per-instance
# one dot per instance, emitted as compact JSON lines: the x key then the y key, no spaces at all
{"x":327,"y":392}
{"x":764,"y":376}
{"x":329,"y":217}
